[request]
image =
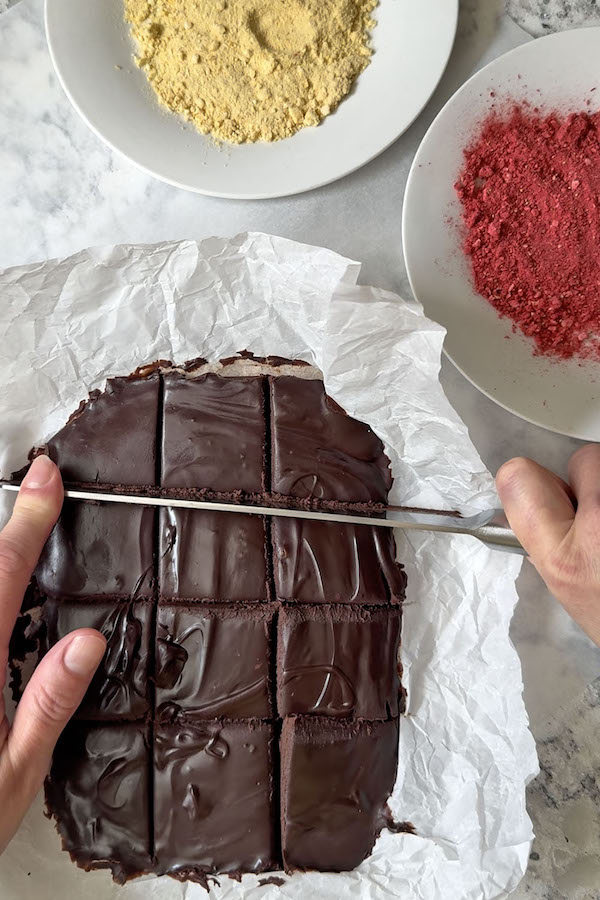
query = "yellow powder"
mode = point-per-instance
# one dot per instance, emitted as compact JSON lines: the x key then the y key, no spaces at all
{"x":251,"y":70}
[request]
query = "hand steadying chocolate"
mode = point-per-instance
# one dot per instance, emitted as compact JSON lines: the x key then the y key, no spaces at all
{"x":559,"y":526}
{"x":61,"y":679}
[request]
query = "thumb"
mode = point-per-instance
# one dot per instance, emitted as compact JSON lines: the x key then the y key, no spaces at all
{"x":538,"y":505}
{"x":53,"y":694}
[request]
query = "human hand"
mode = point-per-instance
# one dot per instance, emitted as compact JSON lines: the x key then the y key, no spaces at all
{"x":559,"y":526}
{"x":62,"y":677}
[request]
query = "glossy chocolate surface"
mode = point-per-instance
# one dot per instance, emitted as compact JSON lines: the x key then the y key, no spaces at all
{"x":338,"y":661}
{"x":224,"y":632}
{"x":99,"y":550}
{"x":214,"y":661}
{"x":326,"y":562}
{"x":214,"y":433}
{"x":205,"y":555}
{"x":213,"y":796}
{"x":318,"y":451}
{"x":98,"y":791}
{"x":119,"y":689}
{"x":336,"y":778}
{"x":111,"y":439}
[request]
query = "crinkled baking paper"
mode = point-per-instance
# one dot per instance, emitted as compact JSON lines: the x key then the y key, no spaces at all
{"x":465,"y":750}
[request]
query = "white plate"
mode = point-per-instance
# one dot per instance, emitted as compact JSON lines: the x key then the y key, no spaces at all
{"x":557,"y":72}
{"x":88,"y":39}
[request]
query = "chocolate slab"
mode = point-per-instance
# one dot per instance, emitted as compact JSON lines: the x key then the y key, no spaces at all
{"x":99,"y":550}
{"x":111,"y":439}
{"x":213,"y":433}
{"x":205,"y":555}
{"x":336,"y":778}
{"x":214,"y":660}
{"x":173,"y":764}
{"x":323,"y":562}
{"x":213,"y":797}
{"x":338,"y":661}
{"x":320,"y":452}
{"x":98,"y":792}
{"x":119,"y":689}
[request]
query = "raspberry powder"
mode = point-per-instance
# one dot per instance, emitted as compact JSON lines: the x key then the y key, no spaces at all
{"x":530,"y":194}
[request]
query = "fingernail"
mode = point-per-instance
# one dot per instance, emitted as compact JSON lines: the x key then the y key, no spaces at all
{"x":83,"y":654}
{"x":40,"y":472}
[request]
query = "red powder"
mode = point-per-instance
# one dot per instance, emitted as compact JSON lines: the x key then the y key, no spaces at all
{"x":530,"y":192}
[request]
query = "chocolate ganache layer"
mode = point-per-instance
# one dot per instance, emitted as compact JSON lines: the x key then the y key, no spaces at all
{"x":245,"y":716}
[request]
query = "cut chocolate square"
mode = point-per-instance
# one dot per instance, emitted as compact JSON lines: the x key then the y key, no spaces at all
{"x":99,"y":550}
{"x":214,"y":433}
{"x":207,"y":555}
{"x":213,"y":797}
{"x":98,"y":791}
{"x":318,"y":451}
{"x":336,"y":778}
{"x":324,"y":562}
{"x":111,"y":439}
{"x":339,"y":661}
{"x":214,"y":660}
{"x":119,"y":689}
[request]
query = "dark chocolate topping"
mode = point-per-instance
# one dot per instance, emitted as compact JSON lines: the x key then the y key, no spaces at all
{"x":189,"y":680}
{"x":319,"y":451}
{"x":119,"y":689}
{"x":111,"y":438}
{"x":323,"y":562}
{"x":99,"y":550}
{"x":98,"y":791}
{"x":213,"y":433}
{"x":207,"y":555}
{"x":336,"y":778}
{"x":267,"y":360}
{"x":214,"y":661}
{"x":338,"y":661}
{"x":213,"y":797}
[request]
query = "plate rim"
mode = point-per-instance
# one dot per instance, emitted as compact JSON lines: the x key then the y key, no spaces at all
{"x":522,"y":48}
{"x":268,"y":195}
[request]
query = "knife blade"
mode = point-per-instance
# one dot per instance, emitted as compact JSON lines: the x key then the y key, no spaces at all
{"x":491,"y":527}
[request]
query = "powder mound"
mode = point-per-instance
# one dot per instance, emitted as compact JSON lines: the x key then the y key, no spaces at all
{"x":251,"y":70}
{"x":530,"y":194}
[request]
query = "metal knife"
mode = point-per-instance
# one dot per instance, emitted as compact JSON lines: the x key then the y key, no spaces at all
{"x":490,"y":527}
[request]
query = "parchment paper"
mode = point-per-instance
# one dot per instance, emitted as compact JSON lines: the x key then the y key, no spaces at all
{"x":465,"y":749}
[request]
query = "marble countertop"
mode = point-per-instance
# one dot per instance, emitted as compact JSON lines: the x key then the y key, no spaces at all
{"x":62,"y":190}
{"x":541,"y":17}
